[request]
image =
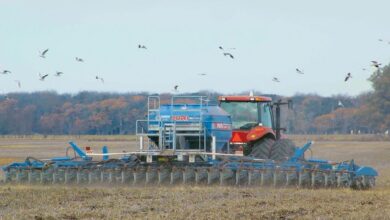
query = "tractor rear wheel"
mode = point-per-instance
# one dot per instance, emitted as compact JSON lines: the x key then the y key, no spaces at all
{"x":262,"y":148}
{"x":268,"y":148}
{"x":282,"y":150}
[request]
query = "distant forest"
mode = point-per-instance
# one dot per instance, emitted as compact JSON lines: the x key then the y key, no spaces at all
{"x":113,"y":113}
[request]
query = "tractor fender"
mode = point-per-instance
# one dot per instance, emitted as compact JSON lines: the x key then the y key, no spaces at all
{"x":259,"y":132}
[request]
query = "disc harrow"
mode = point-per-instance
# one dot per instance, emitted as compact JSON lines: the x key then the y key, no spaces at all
{"x":133,"y":170}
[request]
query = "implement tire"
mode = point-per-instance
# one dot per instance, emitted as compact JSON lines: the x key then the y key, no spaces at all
{"x":282,"y":150}
{"x":262,"y":148}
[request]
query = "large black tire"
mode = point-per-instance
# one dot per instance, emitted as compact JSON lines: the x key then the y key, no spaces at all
{"x":282,"y":150}
{"x":262,"y":148}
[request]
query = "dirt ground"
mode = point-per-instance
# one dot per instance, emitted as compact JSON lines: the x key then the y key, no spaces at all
{"x":194,"y":202}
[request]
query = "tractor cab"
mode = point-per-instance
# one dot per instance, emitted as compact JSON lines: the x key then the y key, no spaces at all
{"x":252,"y":119}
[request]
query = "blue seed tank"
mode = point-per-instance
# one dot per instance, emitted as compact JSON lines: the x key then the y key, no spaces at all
{"x":194,"y":125}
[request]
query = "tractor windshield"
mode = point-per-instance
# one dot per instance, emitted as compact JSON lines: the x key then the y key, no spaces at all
{"x":246,"y":115}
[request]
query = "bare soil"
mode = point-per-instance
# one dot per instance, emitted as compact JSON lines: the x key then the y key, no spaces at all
{"x":195,"y":202}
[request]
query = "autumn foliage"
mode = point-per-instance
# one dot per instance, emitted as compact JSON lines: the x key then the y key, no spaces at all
{"x":110,"y":113}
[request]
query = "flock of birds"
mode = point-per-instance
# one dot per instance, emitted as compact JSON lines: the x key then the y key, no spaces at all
{"x":225,"y":52}
{"x":42,"y":77}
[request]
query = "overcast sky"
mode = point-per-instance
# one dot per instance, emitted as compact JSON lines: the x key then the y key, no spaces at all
{"x":326,"y":39}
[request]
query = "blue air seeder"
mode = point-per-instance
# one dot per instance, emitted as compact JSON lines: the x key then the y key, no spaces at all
{"x":189,"y":143}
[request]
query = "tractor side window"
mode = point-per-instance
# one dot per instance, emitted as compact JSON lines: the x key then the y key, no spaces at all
{"x":244,"y":114}
{"x":266,"y":117}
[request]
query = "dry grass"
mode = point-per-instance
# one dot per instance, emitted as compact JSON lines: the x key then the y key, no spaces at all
{"x":342,"y":137}
{"x":180,"y":202}
{"x":189,"y":202}
{"x":7,"y":160}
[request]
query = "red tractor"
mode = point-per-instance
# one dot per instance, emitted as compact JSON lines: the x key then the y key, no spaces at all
{"x":256,"y":131}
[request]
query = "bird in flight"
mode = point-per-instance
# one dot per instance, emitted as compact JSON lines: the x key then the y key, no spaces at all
{"x":375,"y":63}
{"x":99,"y":78}
{"x":19,"y":84}
{"x":59,"y":73}
{"x":347,"y":77}
{"x":176,"y":87}
{"x":299,"y":71}
{"x":142,"y":46}
{"x":78,"y":59}
{"x":221,"y":48}
{"x":6,"y":72}
{"x":275,"y":79}
{"x":340,"y":104}
{"x":229,"y":54}
{"x":43,"y":54}
{"x":202,"y":74}
{"x":381,"y":40}
{"x":42,"y":77}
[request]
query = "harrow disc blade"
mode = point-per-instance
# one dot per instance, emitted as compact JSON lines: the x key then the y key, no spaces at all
{"x":317,"y":179}
{"x":201,"y":175}
{"x":280,"y":178}
{"x":127,"y":176}
{"x":82,"y":176}
{"x":164,"y":175}
{"x":226,"y":176}
{"x":21,"y":176}
{"x":188,"y":175}
{"x":254,"y":177}
{"x":304,"y":178}
{"x":139,"y":175}
{"x":344,"y":180}
{"x":34,"y":176}
{"x":176,"y":175}
{"x":330,"y":179}
{"x":212,"y":175}
{"x":241,"y":177}
{"x":291,"y":178}
{"x":151,"y":175}
{"x":266,"y":177}
{"x":94,"y":175}
{"x":10,"y":175}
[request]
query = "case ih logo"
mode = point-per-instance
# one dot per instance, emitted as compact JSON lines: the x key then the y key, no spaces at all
{"x":221,"y":126}
{"x":180,"y":118}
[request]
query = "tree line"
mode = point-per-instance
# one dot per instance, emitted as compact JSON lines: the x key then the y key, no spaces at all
{"x":114,"y":113}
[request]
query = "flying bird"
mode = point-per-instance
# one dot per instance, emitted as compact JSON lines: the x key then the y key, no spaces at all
{"x":78,"y":59}
{"x":42,"y":77}
{"x":340,"y":104}
{"x":99,"y":78}
{"x":381,"y":40}
{"x":375,"y":63}
{"x":229,"y":54}
{"x":231,"y":48}
{"x":6,"y":72}
{"x":43,"y":54}
{"x":19,"y":84}
{"x":59,"y":73}
{"x":176,"y":87}
{"x":275,"y":79}
{"x":202,"y":74}
{"x":347,"y":77}
{"x":142,"y":46}
{"x":299,"y":71}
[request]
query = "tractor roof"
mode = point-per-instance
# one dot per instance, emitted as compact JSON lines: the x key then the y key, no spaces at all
{"x":245,"y":98}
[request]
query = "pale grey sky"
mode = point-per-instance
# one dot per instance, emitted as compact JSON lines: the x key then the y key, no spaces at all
{"x":327,"y":39}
